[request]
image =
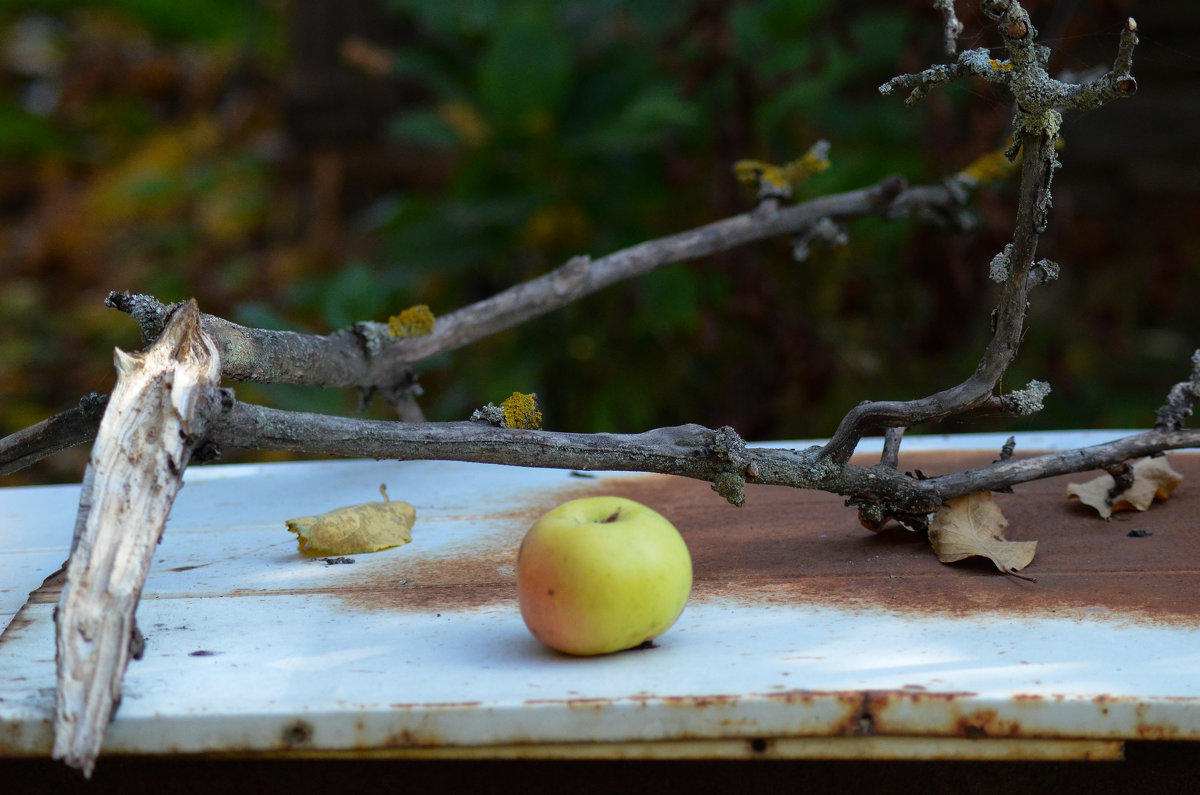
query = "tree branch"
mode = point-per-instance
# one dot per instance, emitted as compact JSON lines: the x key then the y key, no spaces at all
{"x":693,"y":451}
{"x":952,"y":28}
{"x":1036,"y":123}
{"x":1180,"y":400}
{"x":367,"y":356}
{"x":53,"y":435}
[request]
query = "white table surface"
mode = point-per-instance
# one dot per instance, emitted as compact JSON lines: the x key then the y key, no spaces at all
{"x":252,"y":648}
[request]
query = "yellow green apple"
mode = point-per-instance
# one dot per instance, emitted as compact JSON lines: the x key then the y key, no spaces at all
{"x":602,"y":574}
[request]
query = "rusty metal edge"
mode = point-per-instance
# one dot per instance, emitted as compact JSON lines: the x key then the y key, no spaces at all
{"x":811,"y":748}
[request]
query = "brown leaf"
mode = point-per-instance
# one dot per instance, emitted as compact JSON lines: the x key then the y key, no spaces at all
{"x":973,"y":526}
{"x":355,"y":529}
{"x":1153,"y":479}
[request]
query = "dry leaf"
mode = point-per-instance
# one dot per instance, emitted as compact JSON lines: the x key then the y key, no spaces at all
{"x":1153,"y":479}
{"x":355,"y":529}
{"x":974,"y":526}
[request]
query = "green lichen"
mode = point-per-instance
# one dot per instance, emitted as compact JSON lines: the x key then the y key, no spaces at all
{"x":1030,"y":399}
{"x":998,"y":270}
{"x":824,"y":470}
{"x":491,"y":414}
{"x":1046,"y":123}
{"x":732,"y":487}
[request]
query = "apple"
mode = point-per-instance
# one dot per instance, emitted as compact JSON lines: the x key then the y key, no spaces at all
{"x":601,"y":574}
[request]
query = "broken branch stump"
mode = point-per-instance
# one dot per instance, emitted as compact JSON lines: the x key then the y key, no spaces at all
{"x":156,"y":415}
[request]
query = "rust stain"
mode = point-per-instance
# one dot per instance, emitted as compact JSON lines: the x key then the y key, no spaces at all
{"x":297,"y":733}
{"x":959,"y":717}
{"x":980,"y":723}
{"x":437,"y":705}
{"x":590,"y":703}
{"x":699,"y":702}
{"x":1154,"y":731}
{"x":787,"y":546}
{"x":406,"y":738}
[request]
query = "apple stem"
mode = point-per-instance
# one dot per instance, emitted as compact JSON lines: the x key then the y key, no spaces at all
{"x":612,"y":518}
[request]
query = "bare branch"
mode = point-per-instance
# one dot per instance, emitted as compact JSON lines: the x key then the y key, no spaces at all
{"x":922,"y":82}
{"x":53,"y":435}
{"x":1180,"y":400}
{"x":687,"y":450}
{"x":1024,"y":72}
{"x":717,"y":456}
{"x":1117,"y":83}
{"x":366,"y":356}
{"x":952,"y":28}
{"x":1009,"y":321}
{"x":891,"y":446}
{"x":1002,"y":474}
{"x":1036,"y":123}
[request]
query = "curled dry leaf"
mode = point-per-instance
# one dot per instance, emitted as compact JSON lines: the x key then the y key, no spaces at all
{"x":355,"y":529}
{"x":1153,"y":479}
{"x":973,"y":526}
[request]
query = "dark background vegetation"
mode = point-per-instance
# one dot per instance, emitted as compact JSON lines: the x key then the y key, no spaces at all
{"x":306,"y":164}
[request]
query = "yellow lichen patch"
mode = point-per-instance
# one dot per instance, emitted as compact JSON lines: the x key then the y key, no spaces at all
{"x":773,"y":180}
{"x":991,"y":167}
{"x":995,"y":165}
{"x":755,"y":173}
{"x":416,"y":321}
{"x":814,"y":161}
{"x":521,"y":411}
{"x":1000,"y":66}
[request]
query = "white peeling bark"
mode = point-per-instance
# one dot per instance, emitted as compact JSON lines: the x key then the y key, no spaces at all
{"x":156,"y":415}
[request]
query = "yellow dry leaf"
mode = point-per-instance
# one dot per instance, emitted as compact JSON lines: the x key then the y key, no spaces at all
{"x":355,"y":529}
{"x":973,"y":526}
{"x":1153,"y":478}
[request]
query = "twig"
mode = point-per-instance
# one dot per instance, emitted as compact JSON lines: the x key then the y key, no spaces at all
{"x":155,"y":417}
{"x":891,"y":446}
{"x":952,"y":28}
{"x":1180,"y":400}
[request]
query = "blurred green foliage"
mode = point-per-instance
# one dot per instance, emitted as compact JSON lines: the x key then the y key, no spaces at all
{"x":162,"y":146}
{"x":624,"y":127}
